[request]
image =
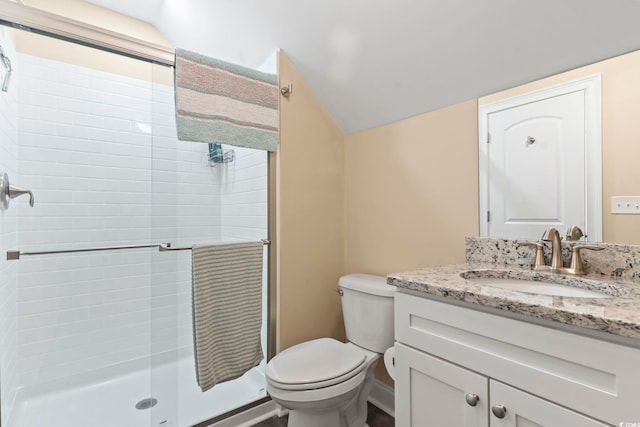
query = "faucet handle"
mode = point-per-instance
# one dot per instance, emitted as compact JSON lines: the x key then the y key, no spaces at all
{"x":539,"y":263}
{"x":531,"y":244}
{"x":576,"y":258}
{"x":578,"y":248}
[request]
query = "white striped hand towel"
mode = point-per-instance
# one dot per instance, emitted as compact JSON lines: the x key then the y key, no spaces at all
{"x":227,"y":310}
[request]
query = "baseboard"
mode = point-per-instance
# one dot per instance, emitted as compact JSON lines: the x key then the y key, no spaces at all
{"x":251,"y":416}
{"x":382,"y":396}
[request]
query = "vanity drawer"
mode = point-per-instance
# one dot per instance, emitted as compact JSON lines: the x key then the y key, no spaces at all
{"x":594,"y":377}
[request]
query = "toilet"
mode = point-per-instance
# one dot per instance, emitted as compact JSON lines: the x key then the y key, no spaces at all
{"x":326,"y":383}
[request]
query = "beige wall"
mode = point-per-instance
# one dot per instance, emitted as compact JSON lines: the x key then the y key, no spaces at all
{"x":412,"y":191}
{"x":620,"y":130}
{"x":310,"y":216}
{"x":410,"y":199}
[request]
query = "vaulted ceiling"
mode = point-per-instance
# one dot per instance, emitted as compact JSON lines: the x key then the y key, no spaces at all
{"x":372,"y":62}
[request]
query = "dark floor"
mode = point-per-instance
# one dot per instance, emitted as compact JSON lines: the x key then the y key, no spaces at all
{"x":375,"y":418}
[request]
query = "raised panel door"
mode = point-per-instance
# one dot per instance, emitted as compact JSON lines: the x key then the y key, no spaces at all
{"x":432,"y":392}
{"x":526,"y":410}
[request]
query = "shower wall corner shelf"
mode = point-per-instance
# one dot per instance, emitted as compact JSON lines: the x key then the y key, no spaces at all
{"x":225,"y":156}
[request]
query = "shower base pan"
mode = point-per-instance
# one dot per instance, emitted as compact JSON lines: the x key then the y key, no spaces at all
{"x":165,"y":396}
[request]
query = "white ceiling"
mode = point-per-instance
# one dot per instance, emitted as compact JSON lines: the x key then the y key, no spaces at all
{"x":371,"y":62}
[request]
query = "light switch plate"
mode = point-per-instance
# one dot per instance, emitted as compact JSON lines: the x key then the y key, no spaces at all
{"x":629,"y":205}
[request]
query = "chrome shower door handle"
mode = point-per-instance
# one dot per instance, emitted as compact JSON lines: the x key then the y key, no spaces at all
{"x":15,"y":192}
{"x":9,"y":192}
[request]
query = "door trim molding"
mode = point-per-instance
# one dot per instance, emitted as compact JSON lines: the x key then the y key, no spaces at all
{"x":592,"y":88}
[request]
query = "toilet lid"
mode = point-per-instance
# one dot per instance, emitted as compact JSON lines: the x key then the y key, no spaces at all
{"x":314,"y":361}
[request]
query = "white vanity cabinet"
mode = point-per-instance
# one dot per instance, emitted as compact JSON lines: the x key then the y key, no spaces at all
{"x":458,"y":367}
{"x":445,"y":395}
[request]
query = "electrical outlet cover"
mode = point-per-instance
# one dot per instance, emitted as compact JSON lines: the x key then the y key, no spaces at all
{"x":629,"y":205}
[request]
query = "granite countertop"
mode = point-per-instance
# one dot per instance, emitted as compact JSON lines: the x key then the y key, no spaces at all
{"x":617,"y":314}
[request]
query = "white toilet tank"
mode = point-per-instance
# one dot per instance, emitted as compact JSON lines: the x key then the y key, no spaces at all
{"x":367,"y":307}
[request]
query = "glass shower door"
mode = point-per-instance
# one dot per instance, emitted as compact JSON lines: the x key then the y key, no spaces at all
{"x":83,"y":319}
{"x":104,"y":338}
{"x":197,"y":200}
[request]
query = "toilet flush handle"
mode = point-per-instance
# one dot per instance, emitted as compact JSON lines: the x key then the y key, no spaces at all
{"x":339,"y":291}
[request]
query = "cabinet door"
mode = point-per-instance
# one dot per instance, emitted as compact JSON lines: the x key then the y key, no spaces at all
{"x":526,"y":410}
{"x":430,"y":392}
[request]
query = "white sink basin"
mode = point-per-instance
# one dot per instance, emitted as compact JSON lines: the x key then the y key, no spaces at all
{"x":537,"y":287}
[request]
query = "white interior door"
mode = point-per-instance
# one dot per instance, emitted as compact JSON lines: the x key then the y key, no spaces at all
{"x":536,"y":167}
{"x":536,"y":163}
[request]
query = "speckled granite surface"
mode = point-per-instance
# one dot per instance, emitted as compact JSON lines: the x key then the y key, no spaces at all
{"x":613,"y":272}
{"x":617,"y":261}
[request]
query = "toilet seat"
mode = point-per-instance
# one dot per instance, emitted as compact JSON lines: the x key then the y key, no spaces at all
{"x":315,"y":364}
{"x":318,"y":394}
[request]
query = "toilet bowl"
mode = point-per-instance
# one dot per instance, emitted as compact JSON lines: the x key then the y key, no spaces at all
{"x":337,"y":379}
{"x":325,"y":382}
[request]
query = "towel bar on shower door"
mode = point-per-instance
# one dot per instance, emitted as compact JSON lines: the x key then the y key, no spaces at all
{"x":169,"y":247}
{"x":13,"y":255}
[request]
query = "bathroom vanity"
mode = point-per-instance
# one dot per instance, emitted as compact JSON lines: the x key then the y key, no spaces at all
{"x":471,"y":354}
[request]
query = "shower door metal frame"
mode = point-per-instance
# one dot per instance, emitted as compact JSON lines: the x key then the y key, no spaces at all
{"x":49,"y":24}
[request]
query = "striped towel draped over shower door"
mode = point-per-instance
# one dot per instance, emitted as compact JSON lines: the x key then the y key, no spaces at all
{"x":227,"y":310}
{"x":220,"y":102}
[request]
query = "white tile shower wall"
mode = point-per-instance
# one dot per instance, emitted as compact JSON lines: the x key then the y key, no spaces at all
{"x":244,"y":199}
{"x":244,"y":196}
{"x":189,"y":194}
{"x":90,"y":168}
{"x":8,"y":236}
{"x":100,"y":152}
{"x":239,"y":215}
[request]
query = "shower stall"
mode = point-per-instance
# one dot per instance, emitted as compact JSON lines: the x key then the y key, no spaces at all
{"x":104,"y":338}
